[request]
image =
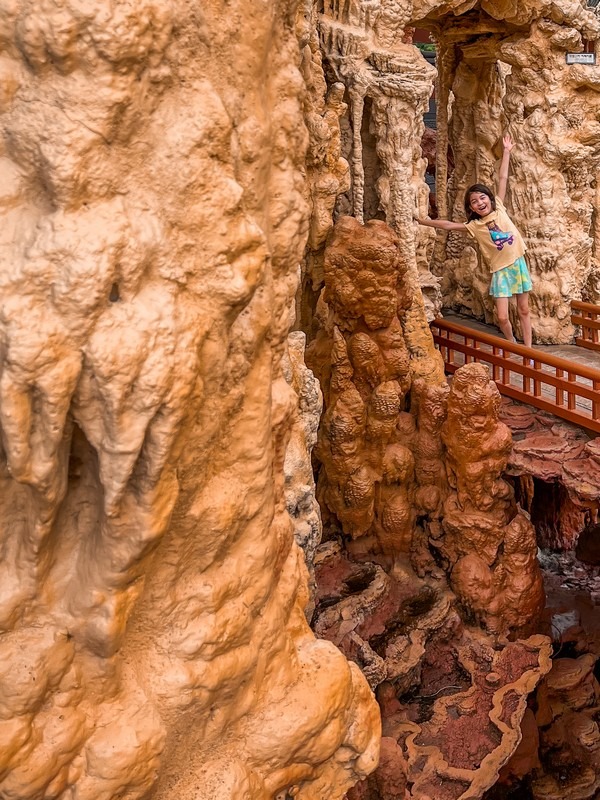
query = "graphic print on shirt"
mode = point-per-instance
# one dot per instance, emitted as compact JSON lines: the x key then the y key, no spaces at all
{"x":500,"y":238}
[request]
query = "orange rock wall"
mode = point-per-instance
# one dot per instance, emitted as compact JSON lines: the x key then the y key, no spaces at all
{"x":152,"y":635}
{"x":485,"y":59}
{"x":164,"y":168}
{"x":485,"y":86}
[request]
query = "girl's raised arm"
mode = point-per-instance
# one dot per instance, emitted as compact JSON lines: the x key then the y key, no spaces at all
{"x":443,"y":224}
{"x":508,"y":145}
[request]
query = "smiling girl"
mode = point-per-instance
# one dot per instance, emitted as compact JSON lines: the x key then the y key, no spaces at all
{"x":501,"y":245}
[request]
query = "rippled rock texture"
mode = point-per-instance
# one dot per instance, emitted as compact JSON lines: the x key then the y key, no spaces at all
{"x":485,"y":55}
{"x":153,"y":641}
{"x":429,"y":567}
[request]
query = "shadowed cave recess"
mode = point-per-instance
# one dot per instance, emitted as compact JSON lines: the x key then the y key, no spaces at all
{"x":254,"y":544}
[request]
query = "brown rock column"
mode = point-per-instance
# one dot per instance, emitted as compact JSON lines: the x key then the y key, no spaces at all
{"x":489,"y":545}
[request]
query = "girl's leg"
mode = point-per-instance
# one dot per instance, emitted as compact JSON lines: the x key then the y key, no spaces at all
{"x":503,"y":320}
{"x":525,"y":317}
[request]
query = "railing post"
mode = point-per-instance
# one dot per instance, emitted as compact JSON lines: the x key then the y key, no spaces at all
{"x":571,"y":399}
{"x":560,"y":395}
{"x":537,"y":385}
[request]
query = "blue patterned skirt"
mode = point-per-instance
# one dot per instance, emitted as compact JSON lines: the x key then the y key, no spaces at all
{"x":514,"y":279}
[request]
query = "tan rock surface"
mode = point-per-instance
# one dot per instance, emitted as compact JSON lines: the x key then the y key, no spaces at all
{"x":485,"y":86}
{"x":567,"y":714}
{"x":300,"y":494}
{"x":153,"y":641}
{"x":388,"y":85}
{"x":165,"y":168}
{"x":551,"y":111}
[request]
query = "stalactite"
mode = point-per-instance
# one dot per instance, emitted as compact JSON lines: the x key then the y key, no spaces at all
{"x":446,"y":66}
{"x":357,"y":101}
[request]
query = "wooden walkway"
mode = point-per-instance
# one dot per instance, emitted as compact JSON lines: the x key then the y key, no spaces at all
{"x":563,"y":380}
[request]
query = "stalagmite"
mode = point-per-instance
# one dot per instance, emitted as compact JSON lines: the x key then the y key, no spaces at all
{"x":414,"y":503}
{"x":358,"y":171}
{"x":489,"y":544}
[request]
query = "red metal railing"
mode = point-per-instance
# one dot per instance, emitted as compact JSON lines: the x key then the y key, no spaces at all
{"x":590,"y":325}
{"x":562,"y":387}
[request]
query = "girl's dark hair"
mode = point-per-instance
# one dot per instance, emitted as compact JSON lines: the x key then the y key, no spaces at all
{"x":477,"y":188}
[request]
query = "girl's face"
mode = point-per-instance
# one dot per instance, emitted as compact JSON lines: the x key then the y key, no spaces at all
{"x":480,"y":203}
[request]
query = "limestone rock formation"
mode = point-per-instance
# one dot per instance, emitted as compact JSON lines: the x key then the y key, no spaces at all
{"x":171,"y":174}
{"x":568,"y":706}
{"x":485,"y":53}
{"x":365,"y":366}
{"x":556,"y":467}
{"x":452,"y":701}
{"x":370,"y":113}
{"x":300,"y":494}
{"x":458,"y":750}
{"x":152,"y":635}
{"x":327,"y":171}
{"x":388,"y":85}
{"x":415,"y":505}
{"x":380,"y":621}
{"x":454,"y":732}
{"x":381,"y":465}
{"x":488,"y":543}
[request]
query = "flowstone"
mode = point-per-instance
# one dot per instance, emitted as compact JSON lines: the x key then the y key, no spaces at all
{"x":153,"y":641}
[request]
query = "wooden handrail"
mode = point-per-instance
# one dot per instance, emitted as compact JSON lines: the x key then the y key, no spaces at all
{"x":579,"y":305}
{"x":565,"y":396}
{"x":589,"y":323}
{"x":520,"y":350}
{"x":586,"y":322}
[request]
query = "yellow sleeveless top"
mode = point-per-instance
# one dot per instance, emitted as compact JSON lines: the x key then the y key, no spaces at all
{"x":505,"y":246}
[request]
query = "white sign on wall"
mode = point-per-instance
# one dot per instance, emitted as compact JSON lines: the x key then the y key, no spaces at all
{"x":581,"y":58}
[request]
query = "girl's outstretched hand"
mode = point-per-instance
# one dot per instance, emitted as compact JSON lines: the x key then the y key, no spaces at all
{"x":508,"y":142}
